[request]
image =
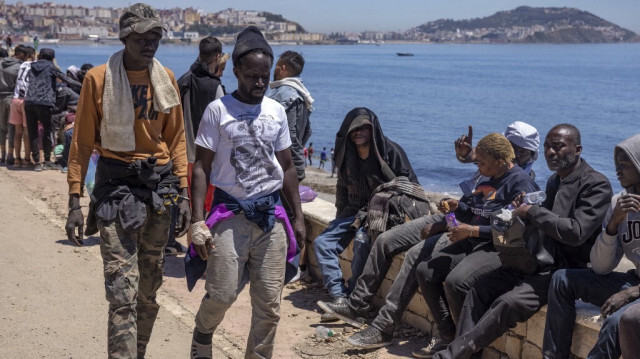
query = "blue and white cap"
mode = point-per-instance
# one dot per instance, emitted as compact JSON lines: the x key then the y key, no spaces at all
{"x":524,"y":135}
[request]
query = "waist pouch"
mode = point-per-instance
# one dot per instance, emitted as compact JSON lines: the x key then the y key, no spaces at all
{"x":509,"y":240}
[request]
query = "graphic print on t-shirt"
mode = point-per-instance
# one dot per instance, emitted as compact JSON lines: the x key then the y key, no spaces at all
{"x":140,"y":100}
{"x":488,"y":192}
{"x":253,"y":142}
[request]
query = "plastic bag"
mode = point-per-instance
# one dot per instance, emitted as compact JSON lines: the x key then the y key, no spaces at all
{"x":306,"y":194}
{"x":90,"y":179}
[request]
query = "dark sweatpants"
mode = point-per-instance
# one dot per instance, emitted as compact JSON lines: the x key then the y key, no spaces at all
{"x":496,"y":303}
{"x":388,"y":244}
{"x":629,"y":328}
{"x":568,"y":285}
{"x":35,"y":114}
{"x":449,"y":274}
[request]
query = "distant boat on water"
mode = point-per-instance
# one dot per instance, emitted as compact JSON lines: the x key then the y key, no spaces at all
{"x":404,"y":54}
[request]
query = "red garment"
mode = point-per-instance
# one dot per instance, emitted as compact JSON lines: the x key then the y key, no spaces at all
{"x":208,"y":199}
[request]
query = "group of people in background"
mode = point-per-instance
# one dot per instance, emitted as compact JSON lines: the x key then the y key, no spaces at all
{"x":187,"y":158}
{"x":37,"y":108}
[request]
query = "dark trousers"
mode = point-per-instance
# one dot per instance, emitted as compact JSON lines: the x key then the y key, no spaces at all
{"x":388,"y":244}
{"x":569,"y":285}
{"x":630,"y":331}
{"x":448,"y":275}
{"x":405,"y":285}
{"x":68,"y":137}
{"x":42,"y":114}
{"x":495,"y":303}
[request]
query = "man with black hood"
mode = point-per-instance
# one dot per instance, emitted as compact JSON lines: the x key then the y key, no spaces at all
{"x":198,"y":88}
{"x":559,"y":234}
{"x":613,"y":291}
{"x":9,"y":68}
{"x":365,"y":159}
{"x":243,"y":148}
{"x":39,"y":102}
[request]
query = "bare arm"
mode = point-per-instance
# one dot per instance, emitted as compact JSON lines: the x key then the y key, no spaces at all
{"x":200,"y":181}
{"x":199,"y":184}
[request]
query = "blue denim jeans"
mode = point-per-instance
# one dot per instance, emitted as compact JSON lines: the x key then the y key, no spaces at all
{"x":568,"y":285}
{"x":361,"y":249}
{"x":327,"y":246}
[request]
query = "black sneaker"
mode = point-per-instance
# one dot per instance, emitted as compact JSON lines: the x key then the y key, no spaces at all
{"x":437,"y":344}
{"x":340,"y":309}
{"x":370,"y":338}
{"x":201,"y":351}
{"x":48,"y":165}
{"x":10,"y":160}
{"x":37,"y":167}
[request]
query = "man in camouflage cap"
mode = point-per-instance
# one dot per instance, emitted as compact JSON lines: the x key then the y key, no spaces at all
{"x":129,"y":111}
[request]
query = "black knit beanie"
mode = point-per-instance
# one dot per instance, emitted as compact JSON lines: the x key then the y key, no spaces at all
{"x":249,"y":39}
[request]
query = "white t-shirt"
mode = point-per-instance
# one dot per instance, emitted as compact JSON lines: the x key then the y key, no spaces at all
{"x":22,"y":84}
{"x":245,"y":139}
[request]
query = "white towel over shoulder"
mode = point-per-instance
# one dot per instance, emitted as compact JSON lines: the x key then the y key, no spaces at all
{"x":116,"y":129}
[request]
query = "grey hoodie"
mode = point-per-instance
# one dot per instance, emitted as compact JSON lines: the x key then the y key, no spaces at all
{"x":607,"y":252}
{"x":9,"y":67}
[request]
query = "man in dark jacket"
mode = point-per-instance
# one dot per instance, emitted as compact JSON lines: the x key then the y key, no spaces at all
{"x":560,"y":232}
{"x":9,"y":68}
{"x":365,"y":159}
{"x":40,"y":100}
{"x":198,"y":88}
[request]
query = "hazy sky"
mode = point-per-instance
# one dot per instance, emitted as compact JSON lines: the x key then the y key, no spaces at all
{"x":388,"y":15}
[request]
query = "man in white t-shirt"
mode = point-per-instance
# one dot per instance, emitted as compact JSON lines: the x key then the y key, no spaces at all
{"x":242,"y":148}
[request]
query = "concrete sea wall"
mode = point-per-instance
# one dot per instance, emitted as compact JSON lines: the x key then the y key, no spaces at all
{"x":522,"y":342}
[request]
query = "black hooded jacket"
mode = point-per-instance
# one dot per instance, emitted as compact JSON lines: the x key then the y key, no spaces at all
{"x":356,"y":181}
{"x":201,"y":86}
{"x":42,"y":83}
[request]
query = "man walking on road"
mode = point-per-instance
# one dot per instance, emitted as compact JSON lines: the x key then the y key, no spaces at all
{"x":243,"y":148}
{"x":129,"y":111}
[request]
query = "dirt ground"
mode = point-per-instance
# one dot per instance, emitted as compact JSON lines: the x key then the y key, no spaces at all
{"x":53,"y":302}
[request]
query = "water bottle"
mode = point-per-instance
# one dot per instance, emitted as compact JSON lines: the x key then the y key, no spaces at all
{"x":535,"y":197}
{"x":323,"y":332}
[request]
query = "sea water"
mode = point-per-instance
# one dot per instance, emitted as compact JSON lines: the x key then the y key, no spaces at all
{"x":426,"y":101}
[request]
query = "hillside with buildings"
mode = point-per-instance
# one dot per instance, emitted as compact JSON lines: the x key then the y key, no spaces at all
{"x":65,"y":22}
{"x":521,"y":25}
{"x":525,"y":25}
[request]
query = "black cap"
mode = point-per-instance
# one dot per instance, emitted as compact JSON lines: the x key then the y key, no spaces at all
{"x":47,"y":54}
{"x":249,"y":39}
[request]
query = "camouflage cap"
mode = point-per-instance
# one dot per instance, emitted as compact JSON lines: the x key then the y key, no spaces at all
{"x":139,"y":18}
